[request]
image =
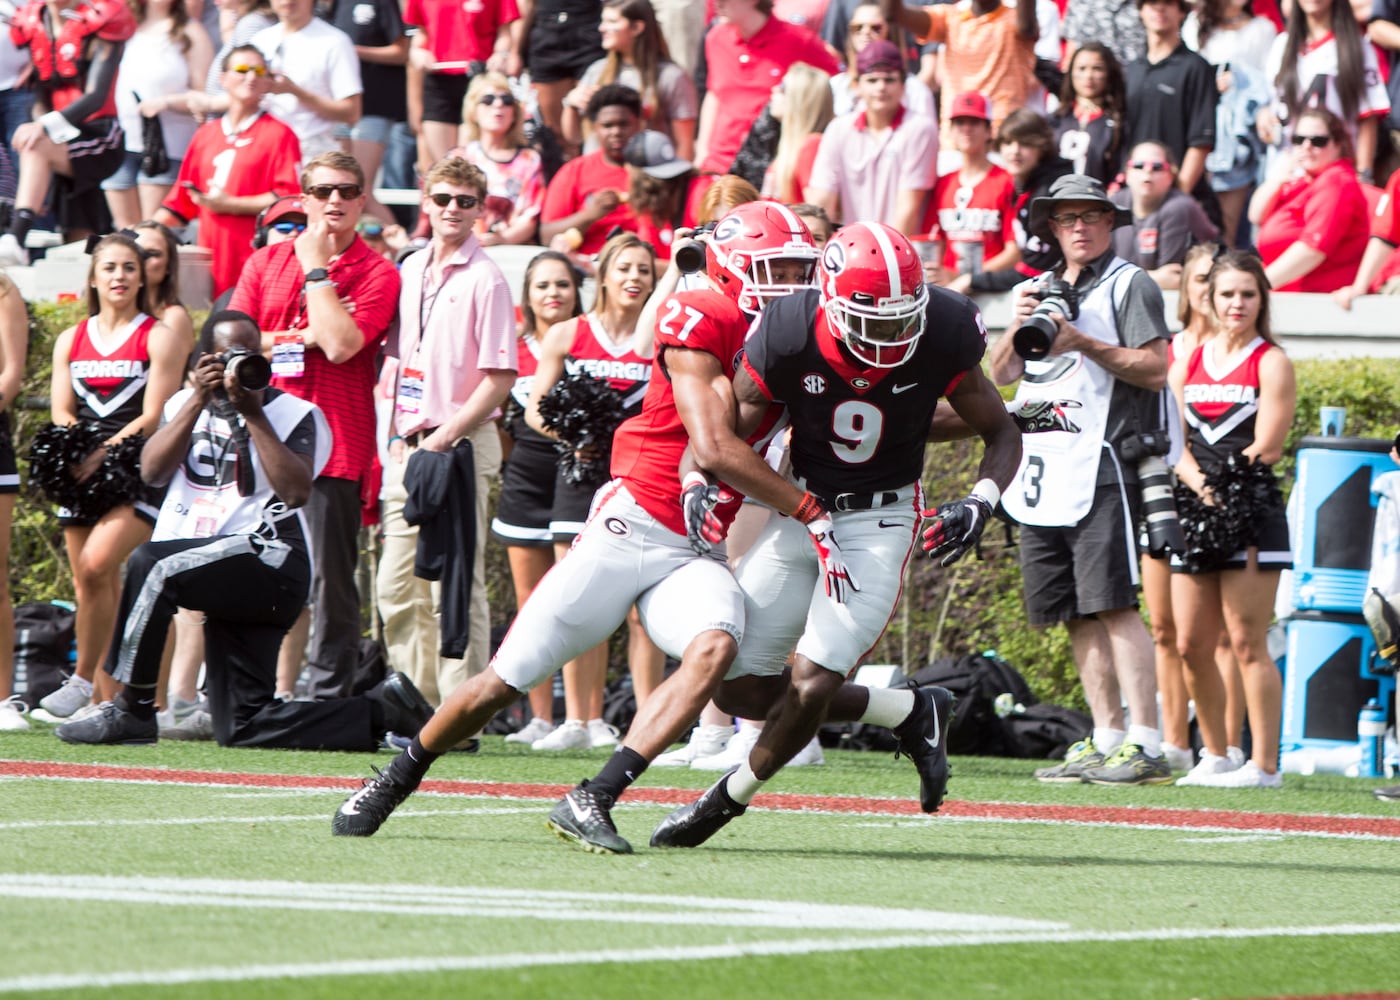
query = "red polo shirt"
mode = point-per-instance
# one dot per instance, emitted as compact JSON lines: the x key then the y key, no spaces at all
{"x":1327,"y":213}
{"x":572,"y":185}
{"x":742,"y":74}
{"x":460,"y":30}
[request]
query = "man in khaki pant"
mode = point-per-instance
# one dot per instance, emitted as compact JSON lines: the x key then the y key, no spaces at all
{"x":456,"y":365}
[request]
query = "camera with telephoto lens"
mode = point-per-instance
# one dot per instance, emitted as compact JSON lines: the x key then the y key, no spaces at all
{"x":689,"y":254}
{"x":1145,"y":450}
{"x":252,"y":370}
{"x":1057,"y":297}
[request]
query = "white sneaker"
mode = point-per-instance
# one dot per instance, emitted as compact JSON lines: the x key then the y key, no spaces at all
{"x":602,"y":734}
{"x":73,"y":695}
{"x":178,"y":712}
{"x":705,"y":741}
{"x":78,"y":716}
{"x":1178,"y":758}
{"x":11,"y":253}
{"x":572,"y":735}
{"x":535,"y":729}
{"x":809,"y":755}
{"x":1247,"y":776}
{"x":1211,"y":765}
{"x":198,"y":725}
{"x":732,"y":755}
{"x":12,"y":712}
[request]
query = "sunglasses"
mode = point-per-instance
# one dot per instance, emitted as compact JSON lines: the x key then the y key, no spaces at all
{"x":1316,"y":141}
{"x":861,"y":28}
{"x":289,"y":227}
{"x":323,"y":192}
{"x":1151,"y":166}
{"x":1066,"y":220}
{"x":245,"y":70}
{"x":442,"y":200}
{"x":507,"y":100}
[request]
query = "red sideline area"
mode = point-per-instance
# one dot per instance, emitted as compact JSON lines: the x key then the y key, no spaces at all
{"x":1366,"y":826}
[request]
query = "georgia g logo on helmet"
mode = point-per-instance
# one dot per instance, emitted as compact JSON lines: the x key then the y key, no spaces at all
{"x":873,"y":293}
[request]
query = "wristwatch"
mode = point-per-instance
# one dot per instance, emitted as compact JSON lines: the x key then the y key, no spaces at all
{"x":317,"y":274}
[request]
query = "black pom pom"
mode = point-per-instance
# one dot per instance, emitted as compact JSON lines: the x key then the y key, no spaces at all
{"x":1245,"y":492}
{"x":583,"y":412}
{"x":55,"y":450}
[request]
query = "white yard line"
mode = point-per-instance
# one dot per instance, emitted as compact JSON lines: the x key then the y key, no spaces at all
{"x":44,"y":824}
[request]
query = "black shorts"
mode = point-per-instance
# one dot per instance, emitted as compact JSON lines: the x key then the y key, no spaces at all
{"x":147,"y":507}
{"x":562,"y":45}
{"x":9,"y":468}
{"x":1274,"y":550}
{"x":96,"y":153}
{"x":1071,"y":573}
{"x":527,"y":493}
{"x":443,"y":94}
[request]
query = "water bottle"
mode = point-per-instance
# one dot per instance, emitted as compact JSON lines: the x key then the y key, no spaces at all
{"x":1370,"y":728}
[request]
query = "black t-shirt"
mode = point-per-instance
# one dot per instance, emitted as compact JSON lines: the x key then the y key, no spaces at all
{"x":376,"y":23}
{"x":858,"y":429}
{"x":1172,"y":101}
{"x":1091,"y":148}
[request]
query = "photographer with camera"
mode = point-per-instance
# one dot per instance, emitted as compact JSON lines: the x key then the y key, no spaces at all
{"x":239,"y":462}
{"x":1092,"y":330}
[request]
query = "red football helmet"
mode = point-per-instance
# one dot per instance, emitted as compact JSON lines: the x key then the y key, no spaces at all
{"x":873,"y":293}
{"x":745,"y":244}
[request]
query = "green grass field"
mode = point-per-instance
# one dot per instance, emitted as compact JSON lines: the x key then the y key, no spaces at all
{"x":207,"y":886}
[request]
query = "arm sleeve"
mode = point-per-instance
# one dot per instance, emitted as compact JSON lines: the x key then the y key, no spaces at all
{"x":1141,"y":316}
{"x":559,"y":197}
{"x":495,"y":312}
{"x":1200,"y":99}
{"x":102,"y":74}
{"x":376,"y":303}
{"x":919,"y":169}
{"x":345,"y":68}
{"x":825,"y":174}
{"x":1327,"y":215}
{"x":302,"y":438}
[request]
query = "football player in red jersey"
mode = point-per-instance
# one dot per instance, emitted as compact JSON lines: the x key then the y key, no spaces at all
{"x":860,"y":365}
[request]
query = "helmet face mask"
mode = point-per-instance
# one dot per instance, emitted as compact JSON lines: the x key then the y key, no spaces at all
{"x":746,"y":248}
{"x":873,"y":293}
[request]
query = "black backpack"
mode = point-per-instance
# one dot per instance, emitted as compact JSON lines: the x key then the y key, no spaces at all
{"x":976,"y":680}
{"x":1043,"y":731}
{"x":43,"y":641}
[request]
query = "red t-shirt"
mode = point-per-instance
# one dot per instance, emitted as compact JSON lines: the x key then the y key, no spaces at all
{"x":1385,"y":225}
{"x":271,"y":291}
{"x":460,"y":30}
{"x":265,"y":156}
{"x":742,"y":73}
{"x":983,"y":214}
{"x":572,"y":185}
{"x":1328,"y":213}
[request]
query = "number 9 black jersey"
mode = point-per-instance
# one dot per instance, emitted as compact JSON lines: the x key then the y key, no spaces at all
{"x":858,"y":429}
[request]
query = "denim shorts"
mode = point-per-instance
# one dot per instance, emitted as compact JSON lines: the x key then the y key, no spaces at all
{"x":129,"y":174}
{"x":370,"y":128}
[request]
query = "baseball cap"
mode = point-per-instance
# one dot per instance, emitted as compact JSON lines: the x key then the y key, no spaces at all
{"x":655,"y":153}
{"x":971,"y":105}
{"x":284,"y":209}
{"x":879,"y":55}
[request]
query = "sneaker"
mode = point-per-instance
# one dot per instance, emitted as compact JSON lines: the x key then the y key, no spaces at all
{"x":198,"y":725}
{"x":12,"y":714}
{"x":1130,"y":765}
{"x":1078,"y":759}
{"x":585,"y":819}
{"x":808,"y":756}
{"x":692,"y":825}
{"x":1248,"y":775}
{"x":405,"y":709}
{"x":109,"y":724}
{"x":73,"y":695}
{"x":1210,"y":764}
{"x":705,"y":741}
{"x":923,"y":739}
{"x":601,"y":734}
{"x":1390,"y":793}
{"x":178,"y":712}
{"x":735,"y":752}
{"x":365,"y":812}
{"x":1178,"y":758}
{"x":12,"y":254}
{"x":535,"y":729}
{"x":572,"y":735}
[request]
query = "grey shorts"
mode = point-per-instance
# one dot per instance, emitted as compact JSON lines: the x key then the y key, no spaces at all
{"x":1077,"y":572}
{"x":129,"y":174}
{"x":370,"y":128}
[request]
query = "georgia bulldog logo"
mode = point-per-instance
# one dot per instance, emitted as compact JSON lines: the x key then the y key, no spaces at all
{"x":728,"y":228}
{"x":834,"y":257}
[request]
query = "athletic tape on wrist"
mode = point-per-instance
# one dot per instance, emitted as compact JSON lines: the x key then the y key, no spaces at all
{"x":988,"y":491}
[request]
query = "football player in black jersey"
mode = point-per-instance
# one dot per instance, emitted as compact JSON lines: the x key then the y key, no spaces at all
{"x":861,"y":365}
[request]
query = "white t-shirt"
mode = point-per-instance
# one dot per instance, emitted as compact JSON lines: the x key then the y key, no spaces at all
{"x":1249,"y":44}
{"x":319,"y":58}
{"x":153,"y":65}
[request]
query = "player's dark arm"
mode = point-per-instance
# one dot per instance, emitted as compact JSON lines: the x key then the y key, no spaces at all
{"x":102,"y":72}
{"x":979,"y":405}
{"x":913,"y":19}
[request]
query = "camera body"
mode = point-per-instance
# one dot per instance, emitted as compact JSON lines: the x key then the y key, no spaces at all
{"x":1144,"y":444}
{"x":1057,"y":297}
{"x":251,"y":369}
{"x":689,"y":254}
{"x":1145,"y":450}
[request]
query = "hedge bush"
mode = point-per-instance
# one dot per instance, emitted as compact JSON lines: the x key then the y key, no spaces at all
{"x":972,"y":606}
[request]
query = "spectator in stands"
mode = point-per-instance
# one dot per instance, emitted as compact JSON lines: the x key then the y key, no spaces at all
{"x":1109,"y":22}
{"x":453,"y":43}
{"x":1383,"y":31}
{"x":583,"y":202}
{"x":1380,"y":264}
{"x":663,"y":191}
{"x":16,"y":108}
{"x":324,"y":301}
{"x":168,"y":56}
{"x":988,"y":49}
{"x":552,"y":294}
{"x":868,"y":25}
{"x":1172,"y":96}
{"x":683,"y":23}
{"x":456,"y":366}
{"x":723,"y":196}
{"x":801,"y":103}
{"x":237,"y":550}
{"x":239,"y":21}
{"x":14,"y":343}
{"x":1321,"y":60}
{"x":224,"y":184}
{"x":493,"y":125}
{"x":315,"y":76}
{"x":557,"y":40}
{"x":162,"y":266}
{"x":817,"y":222}
{"x":1226,"y":33}
{"x":745,"y":53}
{"x":973,"y":209}
{"x":1311,"y":213}
{"x":879,"y":164}
{"x":1089,"y":122}
{"x":1166,"y":221}
{"x":377,"y":32}
{"x":116,"y":368}
{"x":1237,"y":593}
{"x":637,"y":57}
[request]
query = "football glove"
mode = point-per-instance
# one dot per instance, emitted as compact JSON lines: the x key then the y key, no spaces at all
{"x":1037,"y":415}
{"x":955,"y":528}
{"x":840,"y":584}
{"x":699,"y":498}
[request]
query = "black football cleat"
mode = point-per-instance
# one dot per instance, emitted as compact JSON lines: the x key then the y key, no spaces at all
{"x":109,"y":724}
{"x":692,"y":825}
{"x":923,"y":737}
{"x":584,"y":818}
{"x":365,"y":812}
